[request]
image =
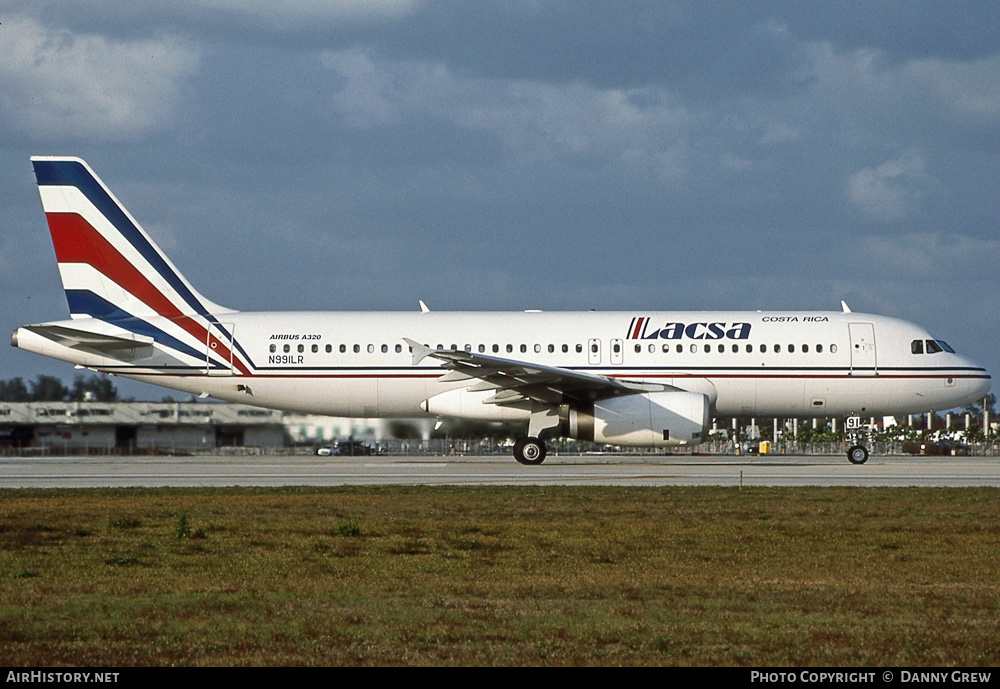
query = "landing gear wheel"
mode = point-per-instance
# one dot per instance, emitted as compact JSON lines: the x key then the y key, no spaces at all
{"x":857,"y":454}
{"x":529,"y":451}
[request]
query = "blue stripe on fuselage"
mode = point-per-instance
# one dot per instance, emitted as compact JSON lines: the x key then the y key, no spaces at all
{"x":87,"y":303}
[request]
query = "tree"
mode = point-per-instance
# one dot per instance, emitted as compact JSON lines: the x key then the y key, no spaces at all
{"x":13,"y":390}
{"x":99,"y":387}
{"x":976,"y":408}
{"x":48,"y":389}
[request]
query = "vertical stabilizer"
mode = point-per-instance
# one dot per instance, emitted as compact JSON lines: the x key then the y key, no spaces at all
{"x":109,"y":266}
{"x":114,"y":273}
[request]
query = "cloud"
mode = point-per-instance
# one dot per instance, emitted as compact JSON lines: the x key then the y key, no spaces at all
{"x":888,"y":191}
{"x":920,"y":255}
{"x":55,"y":84}
{"x":304,"y":13}
{"x":864,"y":86}
{"x":969,"y":89}
{"x":533,"y":117}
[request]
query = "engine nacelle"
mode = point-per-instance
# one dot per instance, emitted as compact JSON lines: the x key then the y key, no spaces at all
{"x":652,"y":419}
{"x":463,"y":404}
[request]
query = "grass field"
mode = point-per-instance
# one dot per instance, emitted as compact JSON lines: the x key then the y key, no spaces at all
{"x":500,"y":576}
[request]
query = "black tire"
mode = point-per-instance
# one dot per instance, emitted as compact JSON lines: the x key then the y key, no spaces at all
{"x":529,"y":451}
{"x":857,"y":454}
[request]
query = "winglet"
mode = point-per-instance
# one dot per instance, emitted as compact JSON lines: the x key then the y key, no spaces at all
{"x":423,"y":306}
{"x":419,"y":351}
{"x":843,"y":305}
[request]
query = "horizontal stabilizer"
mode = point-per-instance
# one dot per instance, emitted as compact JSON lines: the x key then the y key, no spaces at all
{"x":76,"y":338}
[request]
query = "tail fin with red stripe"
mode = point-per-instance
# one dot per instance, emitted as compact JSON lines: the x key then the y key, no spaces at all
{"x":108,"y":264}
{"x":113,"y":273}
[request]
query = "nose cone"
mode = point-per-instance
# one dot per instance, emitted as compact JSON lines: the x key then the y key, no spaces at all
{"x":983,"y":384}
{"x":978,"y":382}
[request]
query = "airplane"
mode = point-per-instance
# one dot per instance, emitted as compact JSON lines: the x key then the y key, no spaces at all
{"x":635,"y":379}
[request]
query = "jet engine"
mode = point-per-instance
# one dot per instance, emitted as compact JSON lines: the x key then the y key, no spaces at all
{"x":650,"y":419}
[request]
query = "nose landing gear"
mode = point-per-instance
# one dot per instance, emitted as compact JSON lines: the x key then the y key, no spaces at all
{"x":857,"y":453}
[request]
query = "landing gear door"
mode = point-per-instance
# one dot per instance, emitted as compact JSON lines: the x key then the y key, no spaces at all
{"x":219,"y":354}
{"x":863,"y":360}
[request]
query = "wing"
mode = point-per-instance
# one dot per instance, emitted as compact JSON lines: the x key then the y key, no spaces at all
{"x":520,"y":381}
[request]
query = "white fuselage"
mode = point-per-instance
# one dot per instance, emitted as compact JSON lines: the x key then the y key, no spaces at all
{"x":788,"y":364}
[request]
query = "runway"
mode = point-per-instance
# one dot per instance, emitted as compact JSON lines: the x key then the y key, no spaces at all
{"x":610,"y":470}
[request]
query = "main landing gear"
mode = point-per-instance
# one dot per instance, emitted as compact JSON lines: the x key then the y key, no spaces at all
{"x":529,"y":450}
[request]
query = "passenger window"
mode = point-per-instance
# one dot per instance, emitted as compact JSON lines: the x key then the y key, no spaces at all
{"x":917,"y":347}
{"x":763,"y":349}
{"x":273,"y":348}
{"x":399,"y":348}
{"x":833,"y":349}
{"x":538,"y":349}
{"x":652,"y":349}
{"x":385,"y":348}
{"x":777,"y":349}
{"x":680,"y":349}
{"x":593,"y":348}
{"x":722,"y":348}
{"x":343,"y":348}
{"x":510,"y":348}
{"x":565,"y":349}
{"x":694,"y":349}
{"x":819,"y":349}
{"x":301,"y":348}
{"x":482,"y":349}
{"x":791,"y":349}
{"x":315,"y":348}
{"x":524,"y":348}
{"x":552,"y":348}
{"x":371,"y":349}
{"x":579,"y":349}
{"x":805,"y":349}
{"x":708,"y":348}
{"x":287,"y":349}
{"x":666,"y":349}
{"x":329,"y":348}
{"x":357,"y":349}
{"x":749,"y":349}
{"x":496,"y":349}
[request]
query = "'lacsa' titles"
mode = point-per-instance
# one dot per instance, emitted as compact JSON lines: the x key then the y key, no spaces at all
{"x":642,"y":328}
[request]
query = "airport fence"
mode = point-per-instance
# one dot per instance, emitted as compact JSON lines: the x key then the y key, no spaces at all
{"x":444,"y":447}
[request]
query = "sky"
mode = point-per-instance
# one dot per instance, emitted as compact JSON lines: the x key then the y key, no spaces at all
{"x":536,"y":154}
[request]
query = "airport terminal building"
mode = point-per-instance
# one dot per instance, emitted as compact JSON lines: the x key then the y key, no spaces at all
{"x":137,"y":427}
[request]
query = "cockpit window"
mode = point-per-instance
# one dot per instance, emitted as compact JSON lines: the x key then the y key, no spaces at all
{"x":933,"y":347}
{"x":917,"y":347}
{"x":945,"y":346}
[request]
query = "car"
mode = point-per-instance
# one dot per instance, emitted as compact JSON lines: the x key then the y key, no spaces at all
{"x":325,"y":450}
{"x":352,"y":448}
{"x":945,"y":447}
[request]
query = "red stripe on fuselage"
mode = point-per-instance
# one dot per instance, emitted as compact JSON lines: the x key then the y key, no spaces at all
{"x":76,"y":241}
